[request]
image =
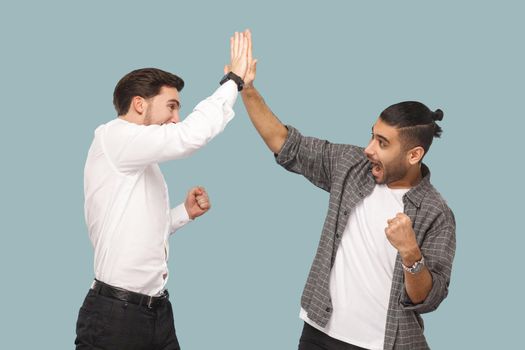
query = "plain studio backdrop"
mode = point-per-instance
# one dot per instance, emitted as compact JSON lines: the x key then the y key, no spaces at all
{"x":329,"y":69}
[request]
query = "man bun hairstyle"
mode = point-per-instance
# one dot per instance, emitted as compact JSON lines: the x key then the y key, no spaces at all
{"x":415,"y":122}
{"x":144,"y":82}
{"x":438,"y":114}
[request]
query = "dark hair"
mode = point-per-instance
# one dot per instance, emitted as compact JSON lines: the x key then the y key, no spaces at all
{"x":146,"y":83}
{"x":416,"y":123}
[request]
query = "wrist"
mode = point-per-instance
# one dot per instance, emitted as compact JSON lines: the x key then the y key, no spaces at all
{"x":248,"y":89}
{"x":188,"y":211}
{"x":416,"y":267}
{"x":235,"y":78}
{"x":411,"y":256}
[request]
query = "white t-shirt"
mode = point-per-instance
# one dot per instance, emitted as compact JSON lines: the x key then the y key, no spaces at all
{"x":361,"y":278}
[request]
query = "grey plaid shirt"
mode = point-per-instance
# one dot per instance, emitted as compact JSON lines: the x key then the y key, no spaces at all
{"x":344,"y":171}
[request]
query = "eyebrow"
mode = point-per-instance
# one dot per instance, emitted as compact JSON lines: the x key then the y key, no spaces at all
{"x":381,"y":137}
{"x":174,"y":100}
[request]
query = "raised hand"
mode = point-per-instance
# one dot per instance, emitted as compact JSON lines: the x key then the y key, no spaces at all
{"x":239,"y":54}
{"x":252,"y":63}
{"x":197,"y":202}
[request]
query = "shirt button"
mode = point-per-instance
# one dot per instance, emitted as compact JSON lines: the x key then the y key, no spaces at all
{"x":328,"y":309}
{"x":337,"y":235}
{"x":345,"y":213}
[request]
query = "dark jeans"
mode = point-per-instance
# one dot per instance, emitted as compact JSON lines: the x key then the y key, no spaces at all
{"x":314,"y":339}
{"x":109,"y":324}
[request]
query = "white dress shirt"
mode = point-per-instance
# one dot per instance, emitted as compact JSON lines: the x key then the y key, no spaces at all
{"x":127,"y":207}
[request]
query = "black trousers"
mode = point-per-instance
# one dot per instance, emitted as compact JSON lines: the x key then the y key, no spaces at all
{"x":109,"y":324}
{"x":314,"y":339}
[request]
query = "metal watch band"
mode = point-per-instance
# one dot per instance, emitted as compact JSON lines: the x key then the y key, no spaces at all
{"x":418,"y":265}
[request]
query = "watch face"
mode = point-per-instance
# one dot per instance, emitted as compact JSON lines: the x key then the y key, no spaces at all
{"x":417,"y":268}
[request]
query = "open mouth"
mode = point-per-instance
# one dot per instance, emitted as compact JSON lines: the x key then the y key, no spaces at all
{"x":377,"y":169}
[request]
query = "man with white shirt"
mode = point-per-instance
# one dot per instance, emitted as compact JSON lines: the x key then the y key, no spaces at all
{"x":127,"y":207}
{"x":387,"y":245}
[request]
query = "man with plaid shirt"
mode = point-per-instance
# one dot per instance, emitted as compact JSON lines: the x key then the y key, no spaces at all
{"x":388,"y":241}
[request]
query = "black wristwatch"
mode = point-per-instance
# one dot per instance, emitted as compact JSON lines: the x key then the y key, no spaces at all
{"x":232,"y":76}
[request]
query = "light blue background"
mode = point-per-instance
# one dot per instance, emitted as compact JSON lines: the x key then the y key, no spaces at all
{"x":329,"y":69}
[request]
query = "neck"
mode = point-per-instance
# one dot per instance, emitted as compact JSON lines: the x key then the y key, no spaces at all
{"x":133,"y":118}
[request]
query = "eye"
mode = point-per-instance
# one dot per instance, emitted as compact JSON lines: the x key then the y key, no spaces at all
{"x":381,"y":144}
{"x":174,"y":107}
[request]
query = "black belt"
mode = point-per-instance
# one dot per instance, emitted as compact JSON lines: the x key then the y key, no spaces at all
{"x":131,"y":297}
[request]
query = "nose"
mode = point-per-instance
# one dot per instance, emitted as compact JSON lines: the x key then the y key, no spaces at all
{"x":175,"y":118}
{"x":369,"y":150}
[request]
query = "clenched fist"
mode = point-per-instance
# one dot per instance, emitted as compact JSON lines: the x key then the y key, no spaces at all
{"x":197,"y":202}
{"x":402,"y":236}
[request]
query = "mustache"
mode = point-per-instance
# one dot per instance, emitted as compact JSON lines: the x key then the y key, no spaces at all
{"x":373,"y":161}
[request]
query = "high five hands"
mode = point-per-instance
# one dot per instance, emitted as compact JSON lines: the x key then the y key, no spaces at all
{"x":241,"y":58}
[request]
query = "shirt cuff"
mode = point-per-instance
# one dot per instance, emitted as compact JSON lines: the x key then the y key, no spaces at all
{"x":179,"y":217}
{"x":432,"y":301}
{"x":228,"y":91}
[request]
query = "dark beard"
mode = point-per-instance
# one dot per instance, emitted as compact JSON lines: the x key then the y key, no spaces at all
{"x":395,"y":172}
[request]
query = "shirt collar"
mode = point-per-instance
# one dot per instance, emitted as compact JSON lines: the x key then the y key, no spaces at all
{"x":418,"y":192}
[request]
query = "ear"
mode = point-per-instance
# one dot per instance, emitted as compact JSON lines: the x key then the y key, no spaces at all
{"x":139,"y":104}
{"x":415,"y":155}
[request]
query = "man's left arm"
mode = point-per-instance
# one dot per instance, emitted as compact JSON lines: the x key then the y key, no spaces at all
{"x":425,"y":288}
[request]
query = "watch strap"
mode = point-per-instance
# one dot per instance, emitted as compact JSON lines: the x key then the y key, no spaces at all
{"x":418,"y":265}
{"x":232,"y":76}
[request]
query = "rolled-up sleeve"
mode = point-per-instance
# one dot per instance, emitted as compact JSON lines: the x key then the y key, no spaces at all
{"x":438,"y":249}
